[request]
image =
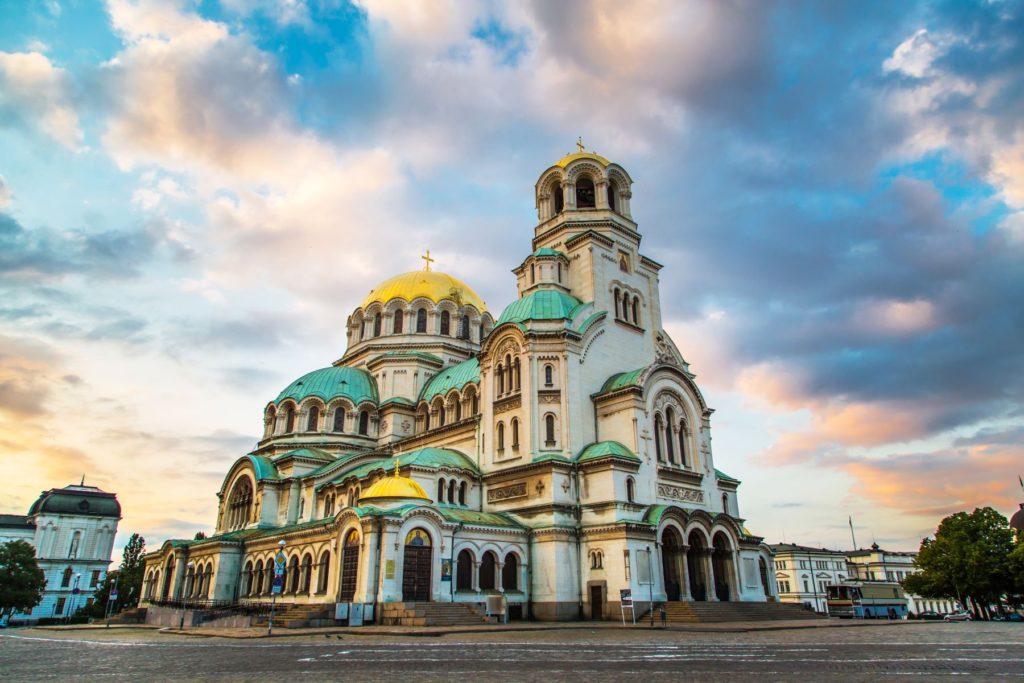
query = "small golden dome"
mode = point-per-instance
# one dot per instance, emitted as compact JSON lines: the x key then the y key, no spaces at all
{"x":429,"y":284}
{"x":395,"y":486}
{"x":569,"y":158}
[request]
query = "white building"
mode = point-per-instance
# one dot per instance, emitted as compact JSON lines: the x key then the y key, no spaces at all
{"x":554,"y":455}
{"x":72,"y":530}
{"x":803,"y":574}
{"x":876,"y":564}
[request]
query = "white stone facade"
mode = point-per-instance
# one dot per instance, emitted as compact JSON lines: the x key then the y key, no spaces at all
{"x":562,"y":448}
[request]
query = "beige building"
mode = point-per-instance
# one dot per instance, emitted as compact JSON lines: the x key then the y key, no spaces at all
{"x":554,"y":455}
{"x":803,"y":574}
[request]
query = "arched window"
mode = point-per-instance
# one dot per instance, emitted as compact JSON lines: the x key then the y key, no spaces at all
{"x":533,"y":273}
{"x":510,"y":573}
{"x":464,"y":327}
{"x":339,"y":419}
{"x":439,"y":407}
{"x":441,"y":488}
{"x":75,"y":540}
{"x":313,"y":421}
{"x":514,"y":424}
{"x":657,"y":438}
{"x":464,"y":571}
{"x":257,"y":574}
{"x":307,"y":572}
{"x":323,"y":572}
{"x":396,"y":325}
{"x":611,"y":197}
{"x":462,"y":493}
{"x":293,"y":574}
{"x":636,"y":309}
{"x":421,"y":320}
{"x":239,"y":507}
{"x":559,"y":271}
{"x":683,"y":460}
{"x":549,"y":379}
{"x":487,"y":567}
{"x":289,"y":420}
{"x":364,"y":422}
{"x":630,"y":490}
{"x":65,"y":579}
{"x":596,"y":559}
{"x":669,"y":419}
{"x":376,"y":325}
{"x":501,"y":380}
{"x":549,"y":430}
{"x":585,"y":193}
{"x":725,"y":503}
{"x":515,"y":373}
{"x":451,"y":491}
{"x":618,"y":300}
{"x":476,"y":404}
{"x":559,"y":198}
{"x":446,"y":323}
{"x":501,"y":436}
{"x":458,"y":409}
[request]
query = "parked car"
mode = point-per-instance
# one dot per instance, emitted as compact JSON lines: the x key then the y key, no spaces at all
{"x":1009,"y":616}
{"x":958,"y":616}
{"x":929,"y":615}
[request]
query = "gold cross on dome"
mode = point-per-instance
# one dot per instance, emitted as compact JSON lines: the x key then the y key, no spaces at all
{"x":579,"y":142}
{"x":427,"y":261}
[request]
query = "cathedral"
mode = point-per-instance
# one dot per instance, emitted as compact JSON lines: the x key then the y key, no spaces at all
{"x":557,"y":455}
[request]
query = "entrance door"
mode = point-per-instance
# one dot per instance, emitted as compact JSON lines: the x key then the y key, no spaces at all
{"x":416,"y":569}
{"x":596,"y":602}
{"x":349,"y":566}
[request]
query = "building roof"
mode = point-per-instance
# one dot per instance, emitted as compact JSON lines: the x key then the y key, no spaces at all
{"x":593,"y":156}
{"x":1017,"y":520}
{"x":792,"y":548}
{"x":454,"y":377}
{"x":77,"y":500}
{"x":603,"y":449}
{"x":548,"y":251}
{"x":427,"y":458}
{"x":431,"y":285}
{"x":722,"y":476}
{"x":263,"y":467}
{"x":16,"y":522}
{"x":622,"y":380}
{"x":308,"y":453}
{"x":330,"y":383}
{"x":544,"y":304}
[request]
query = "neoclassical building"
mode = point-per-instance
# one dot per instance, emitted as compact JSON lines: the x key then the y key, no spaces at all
{"x":556,"y":455}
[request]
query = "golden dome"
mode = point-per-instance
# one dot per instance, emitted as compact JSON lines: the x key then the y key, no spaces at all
{"x":569,"y":158}
{"x":395,"y":486}
{"x":421,"y":283}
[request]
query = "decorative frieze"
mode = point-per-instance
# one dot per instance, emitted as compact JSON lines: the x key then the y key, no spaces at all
{"x":506,"y":404}
{"x":502,"y":493}
{"x":680,"y":493}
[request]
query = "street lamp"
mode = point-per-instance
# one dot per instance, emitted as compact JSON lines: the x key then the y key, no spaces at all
{"x":276,"y":585}
{"x":74,"y":592}
{"x":188,"y":589}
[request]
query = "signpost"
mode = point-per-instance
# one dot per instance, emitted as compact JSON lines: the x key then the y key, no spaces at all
{"x":626,"y":602}
{"x":111,"y":599}
{"x":277,"y":586}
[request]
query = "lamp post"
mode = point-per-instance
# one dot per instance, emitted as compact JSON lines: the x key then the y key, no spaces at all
{"x":650,"y":583}
{"x":184,"y":596}
{"x":74,"y":592}
{"x":277,"y":585}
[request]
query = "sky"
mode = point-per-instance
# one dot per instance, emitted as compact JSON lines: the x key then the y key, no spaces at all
{"x":194,"y":195}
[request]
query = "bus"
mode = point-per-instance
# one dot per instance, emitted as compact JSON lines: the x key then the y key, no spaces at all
{"x":867,"y":601}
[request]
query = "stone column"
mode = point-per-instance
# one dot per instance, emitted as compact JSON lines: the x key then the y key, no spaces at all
{"x":476,"y":576}
{"x":684,"y":584}
{"x":709,"y":565}
{"x":498,"y":579}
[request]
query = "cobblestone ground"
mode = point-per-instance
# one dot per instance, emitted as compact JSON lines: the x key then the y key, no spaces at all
{"x":972,"y":650}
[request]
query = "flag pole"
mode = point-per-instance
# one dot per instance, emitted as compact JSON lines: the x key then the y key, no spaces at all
{"x":852,"y":536}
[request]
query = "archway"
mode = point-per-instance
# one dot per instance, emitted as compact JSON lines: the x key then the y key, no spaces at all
{"x":696,"y":567}
{"x":416,"y":566}
{"x":464,"y":571}
{"x":763,"y":567}
{"x":168,"y":575}
{"x":723,"y":564}
{"x":349,"y":566}
{"x":488,"y":564}
{"x":671,"y":563}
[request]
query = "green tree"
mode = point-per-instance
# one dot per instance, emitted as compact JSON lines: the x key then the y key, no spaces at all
{"x":100,"y":598}
{"x":133,"y":566}
{"x":21,"y":580}
{"x":1016,"y":567}
{"x":967,"y":559}
{"x":200,"y":535}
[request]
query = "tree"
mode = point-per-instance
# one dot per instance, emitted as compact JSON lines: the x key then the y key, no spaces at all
{"x":100,"y":598}
{"x":21,"y":580}
{"x":967,"y":559}
{"x":1016,"y":567}
{"x":200,"y":535}
{"x":131,"y":571}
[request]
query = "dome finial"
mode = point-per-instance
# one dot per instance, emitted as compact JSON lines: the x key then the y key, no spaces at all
{"x":427,"y":261}
{"x":579,"y":143}
{"x":397,"y":474}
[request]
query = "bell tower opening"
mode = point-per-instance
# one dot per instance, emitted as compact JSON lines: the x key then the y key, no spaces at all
{"x":559,"y":198}
{"x":585,"y":194}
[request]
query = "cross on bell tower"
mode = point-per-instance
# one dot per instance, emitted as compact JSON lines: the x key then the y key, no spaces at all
{"x":427,"y":261}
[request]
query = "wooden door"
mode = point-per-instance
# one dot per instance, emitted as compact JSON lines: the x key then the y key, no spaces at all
{"x":416,"y":574}
{"x":349,"y":570}
{"x":596,"y":603}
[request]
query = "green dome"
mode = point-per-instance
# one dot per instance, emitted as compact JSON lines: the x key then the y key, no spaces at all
{"x":329,"y":383}
{"x":545,"y":304}
{"x":77,"y":500}
{"x":455,"y":377}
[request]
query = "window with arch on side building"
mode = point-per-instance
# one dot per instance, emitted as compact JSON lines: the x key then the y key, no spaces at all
{"x":421,"y":321}
{"x":549,"y":430}
{"x":397,"y":322}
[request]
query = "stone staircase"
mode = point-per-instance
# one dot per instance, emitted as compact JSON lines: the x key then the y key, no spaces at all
{"x":431,"y":614}
{"x":135,"y":615}
{"x":300,"y":616}
{"x":721,"y":612}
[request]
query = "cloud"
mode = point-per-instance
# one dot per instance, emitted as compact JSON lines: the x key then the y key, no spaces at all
{"x":5,"y":194}
{"x":35,"y":93}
